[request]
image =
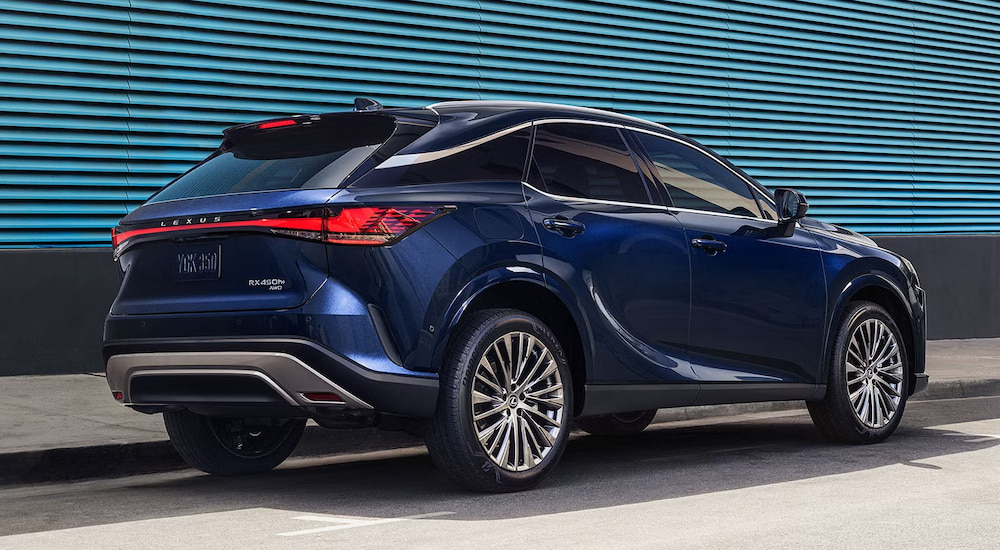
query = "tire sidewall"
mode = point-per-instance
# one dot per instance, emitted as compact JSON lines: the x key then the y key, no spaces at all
{"x":468,"y":360}
{"x":838,"y":370}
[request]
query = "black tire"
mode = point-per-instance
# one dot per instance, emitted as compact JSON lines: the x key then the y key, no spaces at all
{"x":616,"y":424}
{"x":232,"y":446}
{"x":835,"y":417}
{"x":451,"y":434}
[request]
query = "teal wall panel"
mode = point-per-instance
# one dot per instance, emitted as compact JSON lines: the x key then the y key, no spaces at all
{"x":885,"y":113}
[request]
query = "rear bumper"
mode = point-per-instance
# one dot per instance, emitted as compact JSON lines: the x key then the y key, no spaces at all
{"x":147,"y":372}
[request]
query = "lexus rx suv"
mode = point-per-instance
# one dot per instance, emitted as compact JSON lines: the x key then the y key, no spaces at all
{"x":492,"y":273}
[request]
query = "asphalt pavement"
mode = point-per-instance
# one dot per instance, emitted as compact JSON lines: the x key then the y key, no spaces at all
{"x":761,"y":480}
{"x":65,"y":427}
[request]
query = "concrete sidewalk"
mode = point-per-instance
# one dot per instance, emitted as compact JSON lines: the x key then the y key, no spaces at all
{"x":69,"y":426}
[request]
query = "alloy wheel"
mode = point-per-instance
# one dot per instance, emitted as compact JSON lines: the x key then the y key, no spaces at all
{"x":874,"y":373}
{"x":517,"y":401}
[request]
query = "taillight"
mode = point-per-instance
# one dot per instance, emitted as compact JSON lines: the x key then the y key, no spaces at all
{"x":374,"y":225}
{"x":354,"y":225}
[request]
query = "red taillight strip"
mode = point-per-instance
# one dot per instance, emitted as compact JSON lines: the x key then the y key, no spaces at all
{"x":356,"y":225}
{"x":297,"y":224}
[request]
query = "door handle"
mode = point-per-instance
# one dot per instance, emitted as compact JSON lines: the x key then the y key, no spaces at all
{"x":709,"y":245}
{"x":564,"y":226}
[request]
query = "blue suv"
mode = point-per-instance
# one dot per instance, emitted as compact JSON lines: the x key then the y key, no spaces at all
{"x":492,"y":273}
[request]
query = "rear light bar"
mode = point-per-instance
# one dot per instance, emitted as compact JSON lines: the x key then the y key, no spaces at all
{"x":352,"y":225}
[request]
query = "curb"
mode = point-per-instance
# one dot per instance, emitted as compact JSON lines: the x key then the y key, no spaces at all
{"x":127,"y":459}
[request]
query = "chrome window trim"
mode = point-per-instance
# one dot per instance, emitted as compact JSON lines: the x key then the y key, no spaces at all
{"x":670,"y":209}
{"x":752,"y":184}
{"x":417,"y":158}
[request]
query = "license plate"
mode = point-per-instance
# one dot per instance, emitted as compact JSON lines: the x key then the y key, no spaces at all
{"x":198,"y":263}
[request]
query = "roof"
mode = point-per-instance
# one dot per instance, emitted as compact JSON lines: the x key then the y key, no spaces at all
{"x":463,"y":121}
{"x":535,"y":110}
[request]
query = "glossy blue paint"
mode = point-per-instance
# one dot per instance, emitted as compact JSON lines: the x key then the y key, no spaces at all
{"x":631,"y":265}
{"x":758,"y":310}
{"x":650,"y":310}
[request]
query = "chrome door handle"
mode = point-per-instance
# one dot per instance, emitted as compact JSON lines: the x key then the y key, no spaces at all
{"x":709,"y":245}
{"x":564,"y":226}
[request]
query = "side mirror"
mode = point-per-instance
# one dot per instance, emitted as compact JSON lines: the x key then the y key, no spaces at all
{"x":791,"y":205}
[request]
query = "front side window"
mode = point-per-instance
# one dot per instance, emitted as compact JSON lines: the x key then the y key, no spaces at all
{"x":587,"y":161}
{"x":696,"y":181}
{"x":769,"y":212}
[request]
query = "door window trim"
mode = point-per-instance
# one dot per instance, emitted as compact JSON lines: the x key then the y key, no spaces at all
{"x":414,"y":158}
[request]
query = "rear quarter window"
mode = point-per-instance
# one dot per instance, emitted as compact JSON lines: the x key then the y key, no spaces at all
{"x":499,"y":159}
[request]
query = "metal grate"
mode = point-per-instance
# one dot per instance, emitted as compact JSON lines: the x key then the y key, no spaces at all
{"x":885,"y":113}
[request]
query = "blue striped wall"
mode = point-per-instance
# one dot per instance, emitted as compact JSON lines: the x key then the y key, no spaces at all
{"x":885,"y":113}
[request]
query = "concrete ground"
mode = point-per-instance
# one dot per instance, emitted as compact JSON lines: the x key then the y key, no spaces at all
{"x":762,"y":480}
{"x":69,"y":426}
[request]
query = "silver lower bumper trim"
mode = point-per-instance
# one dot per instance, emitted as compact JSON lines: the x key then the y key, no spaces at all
{"x":288,"y":376}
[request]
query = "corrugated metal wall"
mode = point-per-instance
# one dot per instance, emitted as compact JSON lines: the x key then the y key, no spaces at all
{"x":885,"y":113}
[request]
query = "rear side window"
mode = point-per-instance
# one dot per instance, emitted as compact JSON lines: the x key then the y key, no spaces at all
{"x":311,"y":156}
{"x":696,"y":181}
{"x":498,"y":159}
{"x":587,"y":161}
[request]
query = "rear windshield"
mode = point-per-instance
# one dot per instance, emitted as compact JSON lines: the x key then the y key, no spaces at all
{"x":306,"y":156}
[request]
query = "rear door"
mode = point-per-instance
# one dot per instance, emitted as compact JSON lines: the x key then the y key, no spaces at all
{"x":758,"y":297}
{"x":625,"y":259}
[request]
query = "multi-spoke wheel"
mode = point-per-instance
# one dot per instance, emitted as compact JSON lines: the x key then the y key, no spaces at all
{"x":868,"y":380}
{"x":504,"y":403}
{"x":232,"y":446}
{"x":874,"y":365}
{"x":517,"y":401}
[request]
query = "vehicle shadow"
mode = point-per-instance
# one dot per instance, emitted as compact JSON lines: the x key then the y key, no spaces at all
{"x":663,"y":463}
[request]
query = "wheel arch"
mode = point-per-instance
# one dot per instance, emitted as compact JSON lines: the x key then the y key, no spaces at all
{"x":879,"y":289}
{"x":533,"y":296}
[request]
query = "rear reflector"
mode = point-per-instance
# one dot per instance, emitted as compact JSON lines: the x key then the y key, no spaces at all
{"x":117,"y":395}
{"x":354,"y":225}
{"x":326,"y":397}
{"x":276,"y":124}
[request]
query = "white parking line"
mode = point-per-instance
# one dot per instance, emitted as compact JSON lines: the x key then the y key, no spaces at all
{"x":351,"y":522}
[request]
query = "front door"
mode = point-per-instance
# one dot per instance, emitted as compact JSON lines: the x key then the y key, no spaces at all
{"x":758,"y":297}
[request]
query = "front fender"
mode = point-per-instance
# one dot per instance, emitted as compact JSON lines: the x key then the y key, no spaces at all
{"x":855,"y":279}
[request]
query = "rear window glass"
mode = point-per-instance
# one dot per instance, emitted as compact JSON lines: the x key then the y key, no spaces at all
{"x":303,"y":157}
